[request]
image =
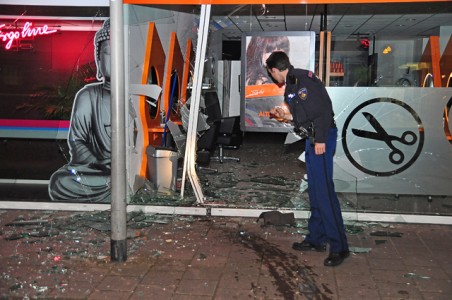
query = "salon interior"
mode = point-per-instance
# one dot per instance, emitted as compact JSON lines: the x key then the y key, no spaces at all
{"x":190,"y":99}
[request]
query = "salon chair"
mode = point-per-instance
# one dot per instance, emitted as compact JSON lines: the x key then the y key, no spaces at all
{"x":229,"y":135}
{"x":206,"y":146}
{"x":206,"y":135}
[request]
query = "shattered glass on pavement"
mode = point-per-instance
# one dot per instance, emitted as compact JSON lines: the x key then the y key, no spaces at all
{"x":148,"y":195}
{"x":52,"y":254}
{"x":271,"y":180}
{"x":55,"y":243}
{"x":241,"y":184}
{"x":415,"y":276}
{"x":267,"y":176}
{"x":77,"y":228}
{"x":264,"y":191}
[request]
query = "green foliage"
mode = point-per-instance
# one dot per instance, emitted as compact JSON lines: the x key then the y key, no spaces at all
{"x":55,"y":102}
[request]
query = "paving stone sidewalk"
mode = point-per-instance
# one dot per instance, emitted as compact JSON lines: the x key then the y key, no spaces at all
{"x":65,"y":255}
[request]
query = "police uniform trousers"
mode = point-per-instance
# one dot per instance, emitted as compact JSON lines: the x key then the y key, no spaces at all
{"x":325,"y":223}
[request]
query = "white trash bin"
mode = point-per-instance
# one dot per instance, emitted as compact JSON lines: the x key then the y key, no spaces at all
{"x":162,"y":166}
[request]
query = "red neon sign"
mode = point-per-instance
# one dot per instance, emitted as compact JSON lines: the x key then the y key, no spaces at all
{"x":27,"y":32}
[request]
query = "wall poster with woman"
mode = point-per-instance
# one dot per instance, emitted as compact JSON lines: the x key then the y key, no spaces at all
{"x":261,"y":93}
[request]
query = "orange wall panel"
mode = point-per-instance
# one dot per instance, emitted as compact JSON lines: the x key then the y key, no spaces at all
{"x":175,"y":63}
{"x":154,"y":57}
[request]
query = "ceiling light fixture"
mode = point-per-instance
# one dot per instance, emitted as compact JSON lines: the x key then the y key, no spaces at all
{"x":387,"y":49}
{"x":264,"y":10}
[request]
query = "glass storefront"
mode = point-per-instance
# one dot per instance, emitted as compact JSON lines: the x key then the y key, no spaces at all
{"x":387,"y":64}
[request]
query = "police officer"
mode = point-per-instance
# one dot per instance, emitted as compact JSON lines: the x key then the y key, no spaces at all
{"x":311,"y":111}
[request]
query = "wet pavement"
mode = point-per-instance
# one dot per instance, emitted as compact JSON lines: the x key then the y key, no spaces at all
{"x":65,"y":255}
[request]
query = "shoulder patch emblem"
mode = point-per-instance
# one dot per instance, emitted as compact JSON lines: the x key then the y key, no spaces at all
{"x":303,"y":93}
{"x":312,"y":75}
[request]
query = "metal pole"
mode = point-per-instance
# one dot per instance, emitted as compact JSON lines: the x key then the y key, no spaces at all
{"x":190,"y":153}
{"x":118,"y":157}
{"x":325,"y":44}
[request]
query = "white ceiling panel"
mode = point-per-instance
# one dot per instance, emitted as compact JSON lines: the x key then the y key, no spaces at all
{"x":345,"y":21}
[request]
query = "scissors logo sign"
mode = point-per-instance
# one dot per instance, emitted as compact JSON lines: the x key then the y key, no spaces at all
{"x":383,"y":136}
{"x":396,"y":156}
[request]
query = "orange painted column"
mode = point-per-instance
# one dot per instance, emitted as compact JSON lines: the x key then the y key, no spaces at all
{"x":435,"y":56}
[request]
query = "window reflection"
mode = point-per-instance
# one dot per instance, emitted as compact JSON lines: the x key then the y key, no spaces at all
{"x":393,"y":52}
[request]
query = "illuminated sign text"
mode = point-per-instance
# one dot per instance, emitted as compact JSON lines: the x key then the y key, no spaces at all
{"x":27,"y":31}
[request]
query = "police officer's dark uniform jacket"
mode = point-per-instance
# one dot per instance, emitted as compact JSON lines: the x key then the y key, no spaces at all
{"x":309,"y":103}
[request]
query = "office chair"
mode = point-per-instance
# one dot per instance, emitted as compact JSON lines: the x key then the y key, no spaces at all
{"x":206,"y":146}
{"x":229,"y":137}
{"x":229,"y":134}
{"x":206,"y":141}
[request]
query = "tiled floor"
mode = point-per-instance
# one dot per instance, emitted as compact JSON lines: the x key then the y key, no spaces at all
{"x":182,"y":257}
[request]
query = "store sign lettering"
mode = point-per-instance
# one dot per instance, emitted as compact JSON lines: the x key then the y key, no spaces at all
{"x":27,"y":31}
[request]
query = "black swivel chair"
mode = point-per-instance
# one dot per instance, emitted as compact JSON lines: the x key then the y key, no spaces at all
{"x":229,"y":137}
{"x":229,"y":134}
{"x":206,"y":135}
{"x":206,"y":145}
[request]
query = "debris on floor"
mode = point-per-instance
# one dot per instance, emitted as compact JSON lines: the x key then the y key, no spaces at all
{"x":277,"y":218}
{"x":415,"y":276}
{"x":386,"y":233}
{"x":359,"y":249}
